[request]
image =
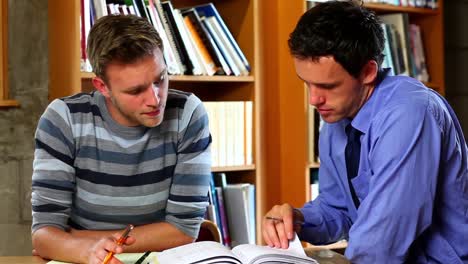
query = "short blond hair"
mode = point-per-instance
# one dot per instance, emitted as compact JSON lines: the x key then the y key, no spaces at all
{"x":120,"y":38}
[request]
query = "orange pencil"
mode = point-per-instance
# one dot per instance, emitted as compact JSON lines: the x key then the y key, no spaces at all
{"x":120,"y":241}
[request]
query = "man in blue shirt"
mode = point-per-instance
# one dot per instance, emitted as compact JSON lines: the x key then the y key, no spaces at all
{"x":393,"y":173}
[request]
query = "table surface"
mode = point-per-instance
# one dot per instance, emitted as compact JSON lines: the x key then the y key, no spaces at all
{"x":322,"y":256}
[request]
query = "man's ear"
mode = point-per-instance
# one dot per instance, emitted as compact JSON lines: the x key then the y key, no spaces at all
{"x":101,"y":86}
{"x":369,"y":72}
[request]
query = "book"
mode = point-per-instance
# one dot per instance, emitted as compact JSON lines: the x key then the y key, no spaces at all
{"x":220,"y":42}
{"x":189,"y":43}
{"x":199,"y":48}
{"x":168,"y":12}
{"x":168,"y":51}
{"x":207,"y":252}
{"x":209,"y":10}
{"x":388,"y":59}
{"x":207,"y":42}
{"x":141,"y":7}
{"x":417,"y":48}
{"x":170,"y":35}
{"x":223,"y":217}
{"x":239,"y":200}
{"x":400,"y":22}
{"x":214,"y":200}
{"x":100,"y":7}
{"x":226,"y":45}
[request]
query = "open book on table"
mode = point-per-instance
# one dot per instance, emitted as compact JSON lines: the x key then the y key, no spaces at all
{"x":208,"y":252}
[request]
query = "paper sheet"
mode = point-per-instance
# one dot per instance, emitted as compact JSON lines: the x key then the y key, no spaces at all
{"x":127,"y":258}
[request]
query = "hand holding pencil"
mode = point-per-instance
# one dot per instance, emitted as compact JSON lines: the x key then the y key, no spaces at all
{"x":122,"y":239}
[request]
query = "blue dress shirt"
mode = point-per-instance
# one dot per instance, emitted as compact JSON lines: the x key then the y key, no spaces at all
{"x":412,"y":181}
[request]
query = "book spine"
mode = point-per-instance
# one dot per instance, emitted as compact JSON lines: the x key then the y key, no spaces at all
{"x":214,"y":202}
{"x":189,"y":43}
{"x":169,"y":54}
{"x":206,"y":58}
{"x":209,"y":23}
{"x":205,"y":39}
{"x":223,"y":217}
{"x":170,"y":35}
{"x":168,"y":12}
{"x":217,"y":46}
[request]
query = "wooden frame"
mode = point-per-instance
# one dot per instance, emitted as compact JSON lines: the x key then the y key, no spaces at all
{"x":4,"y":95}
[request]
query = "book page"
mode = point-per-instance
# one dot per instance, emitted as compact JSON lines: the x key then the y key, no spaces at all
{"x":295,"y":246}
{"x":126,"y":258}
{"x":254,"y":254}
{"x":200,"y":252}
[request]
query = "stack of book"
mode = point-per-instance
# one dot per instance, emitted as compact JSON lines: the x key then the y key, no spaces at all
{"x":232,"y":208}
{"x":404,"y":49}
{"x":231,"y":130}
{"x":412,"y":3}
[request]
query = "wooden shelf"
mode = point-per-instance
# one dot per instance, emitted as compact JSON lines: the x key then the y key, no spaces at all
{"x":193,"y":78}
{"x":385,"y":8}
{"x":9,"y":103}
{"x":250,"y":167}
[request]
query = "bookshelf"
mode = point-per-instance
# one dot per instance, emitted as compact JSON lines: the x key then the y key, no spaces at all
{"x":241,"y":17}
{"x":287,"y":162}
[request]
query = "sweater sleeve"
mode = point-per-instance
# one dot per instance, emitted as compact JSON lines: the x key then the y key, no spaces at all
{"x":53,"y":179}
{"x":188,"y":199}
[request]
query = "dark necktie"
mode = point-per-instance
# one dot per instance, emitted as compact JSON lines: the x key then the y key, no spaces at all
{"x":352,"y":155}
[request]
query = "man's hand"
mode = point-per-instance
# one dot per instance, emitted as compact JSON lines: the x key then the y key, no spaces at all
{"x":279,"y":225}
{"x":98,"y":252}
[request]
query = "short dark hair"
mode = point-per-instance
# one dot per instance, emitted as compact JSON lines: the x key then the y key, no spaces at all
{"x":120,"y":38}
{"x":345,"y":30}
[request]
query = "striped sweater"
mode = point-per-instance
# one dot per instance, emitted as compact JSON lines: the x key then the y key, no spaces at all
{"x":91,"y":173}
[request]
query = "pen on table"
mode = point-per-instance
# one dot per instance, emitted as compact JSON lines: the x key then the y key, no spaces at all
{"x":119,"y":242}
{"x":143,"y":257}
{"x":280,"y":220}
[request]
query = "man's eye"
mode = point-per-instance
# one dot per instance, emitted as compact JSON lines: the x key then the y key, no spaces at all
{"x":133,"y":92}
{"x":158,"y":83}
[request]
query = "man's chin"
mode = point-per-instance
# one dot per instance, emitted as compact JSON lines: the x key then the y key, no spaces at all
{"x":331,"y":119}
{"x":151,"y":123}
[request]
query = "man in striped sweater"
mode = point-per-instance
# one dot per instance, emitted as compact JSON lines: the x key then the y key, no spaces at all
{"x":132,"y":152}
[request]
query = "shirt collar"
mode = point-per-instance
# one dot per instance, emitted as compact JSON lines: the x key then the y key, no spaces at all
{"x":363,"y":118}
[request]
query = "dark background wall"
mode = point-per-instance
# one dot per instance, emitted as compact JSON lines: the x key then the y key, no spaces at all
{"x":28,"y":77}
{"x":456,"y":58}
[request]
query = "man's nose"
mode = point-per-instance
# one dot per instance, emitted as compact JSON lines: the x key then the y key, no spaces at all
{"x":153,"y":98}
{"x":314,"y":97}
